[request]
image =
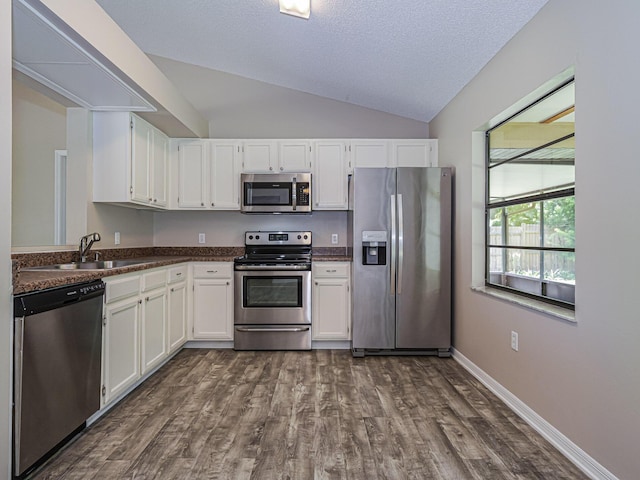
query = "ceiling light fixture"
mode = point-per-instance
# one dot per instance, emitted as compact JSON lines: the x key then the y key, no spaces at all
{"x":297,"y":8}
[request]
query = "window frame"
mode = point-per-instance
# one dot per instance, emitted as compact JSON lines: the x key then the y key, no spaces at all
{"x":540,"y":198}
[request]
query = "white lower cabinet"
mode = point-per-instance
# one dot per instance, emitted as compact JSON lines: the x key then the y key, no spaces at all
{"x":212,"y":301}
{"x":144,"y":321}
{"x":153,"y":329}
{"x":331,"y":301}
{"x":177,"y":324}
{"x":121,"y":348}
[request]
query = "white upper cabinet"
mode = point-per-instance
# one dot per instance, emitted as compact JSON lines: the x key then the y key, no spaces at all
{"x":414,"y":153}
{"x":294,"y":156}
{"x":369,"y":153}
{"x":159,"y":177}
{"x":208,"y":174}
{"x":330,"y":177}
{"x":129,"y":160}
{"x":394,"y":153}
{"x":224,"y":175}
{"x":276,"y":156}
{"x":259,"y":156}
{"x":141,"y":161}
{"x":192,"y":161}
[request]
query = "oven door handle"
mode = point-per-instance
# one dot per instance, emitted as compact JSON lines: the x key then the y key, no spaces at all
{"x":290,"y":329}
{"x":274,"y":268}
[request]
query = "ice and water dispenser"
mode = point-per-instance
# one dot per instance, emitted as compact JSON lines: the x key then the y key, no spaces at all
{"x":374,"y":247}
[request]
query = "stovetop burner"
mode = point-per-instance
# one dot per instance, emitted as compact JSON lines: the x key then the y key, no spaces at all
{"x":276,"y":249}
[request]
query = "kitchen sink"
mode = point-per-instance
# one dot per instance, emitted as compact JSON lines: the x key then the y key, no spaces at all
{"x":97,"y":265}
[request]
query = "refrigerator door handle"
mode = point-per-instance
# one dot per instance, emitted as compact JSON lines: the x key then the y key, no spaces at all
{"x":400,"y":242}
{"x":392,"y":270}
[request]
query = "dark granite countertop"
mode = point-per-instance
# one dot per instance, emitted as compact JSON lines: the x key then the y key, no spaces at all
{"x":33,"y":280}
{"x":25,"y":281}
{"x":331,"y":258}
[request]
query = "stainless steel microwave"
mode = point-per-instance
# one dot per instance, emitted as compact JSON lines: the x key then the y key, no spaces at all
{"x":276,"y":193}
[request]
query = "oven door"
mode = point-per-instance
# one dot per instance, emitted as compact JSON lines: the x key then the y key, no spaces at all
{"x":272,"y":297}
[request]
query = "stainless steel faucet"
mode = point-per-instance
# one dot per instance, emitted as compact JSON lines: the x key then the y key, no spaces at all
{"x":85,"y":244}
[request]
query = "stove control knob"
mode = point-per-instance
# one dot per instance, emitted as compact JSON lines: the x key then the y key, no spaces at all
{"x":306,"y":236}
{"x":250,"y":237}
{"x":299,"y":237}
{"x":257,"y":237}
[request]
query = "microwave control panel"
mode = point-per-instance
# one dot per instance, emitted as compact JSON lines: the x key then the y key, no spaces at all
{"x":302,"y":193}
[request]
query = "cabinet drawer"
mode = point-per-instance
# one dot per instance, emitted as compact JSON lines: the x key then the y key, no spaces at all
{"x":330,"y":269}
{"x":177,"y":274}
{"x":213,"y":270}
{"x":154,"y":279}
{"x":120,"y":288}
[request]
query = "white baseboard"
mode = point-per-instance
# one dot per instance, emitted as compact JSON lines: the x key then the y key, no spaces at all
{"x":331,"y":344}
{"x":569,"y":449}
{"x":210,"y":344}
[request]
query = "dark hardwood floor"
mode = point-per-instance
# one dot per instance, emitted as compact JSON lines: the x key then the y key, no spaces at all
{"x":221,"y":414}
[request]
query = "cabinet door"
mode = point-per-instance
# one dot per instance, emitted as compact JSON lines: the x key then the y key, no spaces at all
{"x":177,"y":321}
{"x":191,"y":182}
{"x":294,"y":156}
{"x":213,"y":309}
{"x":121,"y":362}
{"x":329,"y":178}
{"x":159,"y":167}
{"x":153,"y":329}
{"x":224,"y":176}
{"x":331,"y":309}
{"x":259,"y":156}
{"x":370,"y":153}
{"x":140,"y":161}
{"x":415,"y":153}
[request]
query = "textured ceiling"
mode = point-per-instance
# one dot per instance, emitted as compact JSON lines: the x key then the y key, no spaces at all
{"x":408,"y":58}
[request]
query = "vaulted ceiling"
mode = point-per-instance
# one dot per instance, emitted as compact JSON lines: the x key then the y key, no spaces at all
{"x":407,"y":58}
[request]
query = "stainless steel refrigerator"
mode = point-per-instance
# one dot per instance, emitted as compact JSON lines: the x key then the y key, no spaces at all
{"x":399,"y":227}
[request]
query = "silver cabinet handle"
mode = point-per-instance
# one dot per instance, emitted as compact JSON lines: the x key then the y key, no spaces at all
{"x":257,"y":329}
{"x":400,"y":242}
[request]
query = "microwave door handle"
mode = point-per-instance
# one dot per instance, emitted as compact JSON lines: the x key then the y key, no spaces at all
{"x":294,"y":191}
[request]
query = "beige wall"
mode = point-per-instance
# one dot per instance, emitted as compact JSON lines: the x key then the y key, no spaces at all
{"x":238,"y":107}
{"x":582,"y":378}
{"x":39,"y":128}
{"x":6,"y":309}
{"x":227,"y":228}
{"x":135,"y":226}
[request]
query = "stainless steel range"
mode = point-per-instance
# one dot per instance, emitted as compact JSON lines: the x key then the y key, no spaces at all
{"x":273,"y":292}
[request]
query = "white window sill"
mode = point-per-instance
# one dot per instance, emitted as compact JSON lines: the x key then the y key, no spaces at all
{"x":531,"y":303}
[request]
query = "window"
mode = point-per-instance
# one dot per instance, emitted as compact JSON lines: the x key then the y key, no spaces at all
{"x":530,"y":205}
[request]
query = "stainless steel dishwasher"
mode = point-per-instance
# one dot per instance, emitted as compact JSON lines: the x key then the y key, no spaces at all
{"x":57,"y":371}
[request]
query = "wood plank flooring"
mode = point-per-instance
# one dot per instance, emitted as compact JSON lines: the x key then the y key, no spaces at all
{"x":221,"y":414}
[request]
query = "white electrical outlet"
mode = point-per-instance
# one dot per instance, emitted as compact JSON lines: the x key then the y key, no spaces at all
{"x":201,"y":238}
{"x":116,"y":238}
{"x":334,"y":239}
{"x":514,"y":341}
